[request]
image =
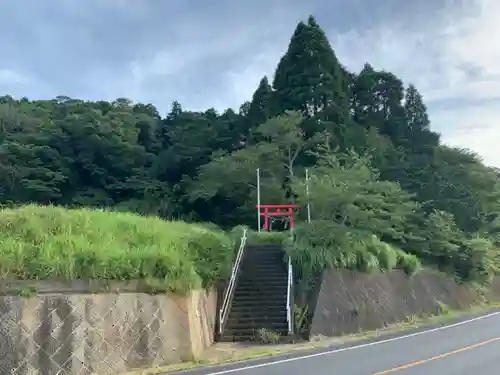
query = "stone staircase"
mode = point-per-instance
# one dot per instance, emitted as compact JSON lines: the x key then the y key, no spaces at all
{"x":260,"y":297}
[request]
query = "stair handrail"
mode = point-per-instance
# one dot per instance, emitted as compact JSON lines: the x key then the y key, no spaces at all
{"x":228,"y":294}
{"x":289,"y":298}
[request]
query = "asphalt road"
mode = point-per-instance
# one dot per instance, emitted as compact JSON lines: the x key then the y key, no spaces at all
{"x":464,"y":348}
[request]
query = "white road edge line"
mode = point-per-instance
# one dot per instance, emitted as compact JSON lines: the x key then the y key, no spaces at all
{"x":251,"y":367}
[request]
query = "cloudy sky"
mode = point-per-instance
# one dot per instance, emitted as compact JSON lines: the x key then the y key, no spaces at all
{"x":213,"y":53}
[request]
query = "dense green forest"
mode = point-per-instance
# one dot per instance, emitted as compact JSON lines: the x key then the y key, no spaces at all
{"x":379,"y":174}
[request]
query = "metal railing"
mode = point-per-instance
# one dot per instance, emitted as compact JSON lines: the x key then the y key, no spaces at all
{"x":228,"y":294}
{"x":289,"y":298}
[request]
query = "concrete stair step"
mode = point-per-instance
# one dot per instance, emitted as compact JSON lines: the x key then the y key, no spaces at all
{"x":266,"y":294}
{"x":278,"y":293}
{"x":258,"y":309}
{"x":255,"y":279}
{"x":264,"y":253}
{"x":263,"y":284}
{"x":254,"y":301}
{"x":251,"y":301}
{"x":275,"y":263}
{"x":271,"y":263}
{"x":256,"y":289}
{"x":264,"y":247}
{"x":282,"y":281}
{"x":237,"y":321}
{"x":248,"y":275}
{"x":263,"y":272}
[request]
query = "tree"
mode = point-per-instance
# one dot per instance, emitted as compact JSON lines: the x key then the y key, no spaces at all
{"x":285,"y":132}
{"x":192,"y":137}
{"x":419,"y":135}
{"x":262,"y":106}
{"x":309,"y":77}
{"x":233,"y":175}
{"x":378,"y":101}
{"x":163,"y":128}
{"x":31,"y":173}
{"x":345,"y":189}
{"x":229,"y":180}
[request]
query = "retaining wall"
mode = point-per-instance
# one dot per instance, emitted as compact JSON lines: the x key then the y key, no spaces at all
{"x":63,"y":328}
{"x":350,"y":302}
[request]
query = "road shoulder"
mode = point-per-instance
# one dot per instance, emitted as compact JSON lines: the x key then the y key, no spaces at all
{"x":229,"y":358}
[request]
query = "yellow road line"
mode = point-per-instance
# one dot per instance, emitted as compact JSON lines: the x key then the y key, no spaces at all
{"x":441,"y":356}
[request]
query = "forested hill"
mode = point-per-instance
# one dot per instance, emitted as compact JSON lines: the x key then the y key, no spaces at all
{"x":375,"y":163}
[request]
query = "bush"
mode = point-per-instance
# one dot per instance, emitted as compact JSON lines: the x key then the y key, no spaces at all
{"x":323,"y":244}
{"x":385,"y":254}
{"x":41,"y":243}
{"x":408,"y":262}
{"x":479,"y":260}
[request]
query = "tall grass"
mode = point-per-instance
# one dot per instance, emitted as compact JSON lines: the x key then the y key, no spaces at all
{"x":324,"y":245}
{"x":41,"y":243}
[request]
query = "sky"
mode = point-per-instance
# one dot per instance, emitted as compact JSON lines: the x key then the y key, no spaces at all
{"x":213,"y":53}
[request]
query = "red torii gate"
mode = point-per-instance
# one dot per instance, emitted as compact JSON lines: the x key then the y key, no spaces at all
{"x":274,"y":210}
{"x":277,"y":210}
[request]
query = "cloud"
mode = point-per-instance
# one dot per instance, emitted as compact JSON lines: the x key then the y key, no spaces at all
{"x":454,"y":64}
{"x":11,"y":77}
{"x":219,"y":62}
{"x":474,"y":128}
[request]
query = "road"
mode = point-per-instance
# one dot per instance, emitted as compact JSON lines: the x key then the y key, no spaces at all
{"x":467,"y":347}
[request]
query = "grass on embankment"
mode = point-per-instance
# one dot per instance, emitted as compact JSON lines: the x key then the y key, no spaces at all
{"x":53,"y":243}
{"x":319,"y":245}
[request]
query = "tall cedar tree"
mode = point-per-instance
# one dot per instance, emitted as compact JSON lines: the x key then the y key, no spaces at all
{"x":309,"y":77}
{"x":423,"y":140}
{"x":262,"y":106}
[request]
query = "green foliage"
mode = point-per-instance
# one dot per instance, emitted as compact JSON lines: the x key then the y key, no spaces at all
{"x":309,"y":77}
{"x":300,"y":315}
{"x":346,"y":190}
{"x":40,"y":243}
{"x":384,"y":192}
{"x":263,"y":106}
{"x":408,"y":262}
{"x":324,"y":244}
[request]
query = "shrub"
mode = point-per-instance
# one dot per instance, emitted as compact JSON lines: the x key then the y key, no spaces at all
{"x":324,"y":244}
{"x":408,"y":262}
{"x":386,"y":254}
{"x":43,"y":243}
